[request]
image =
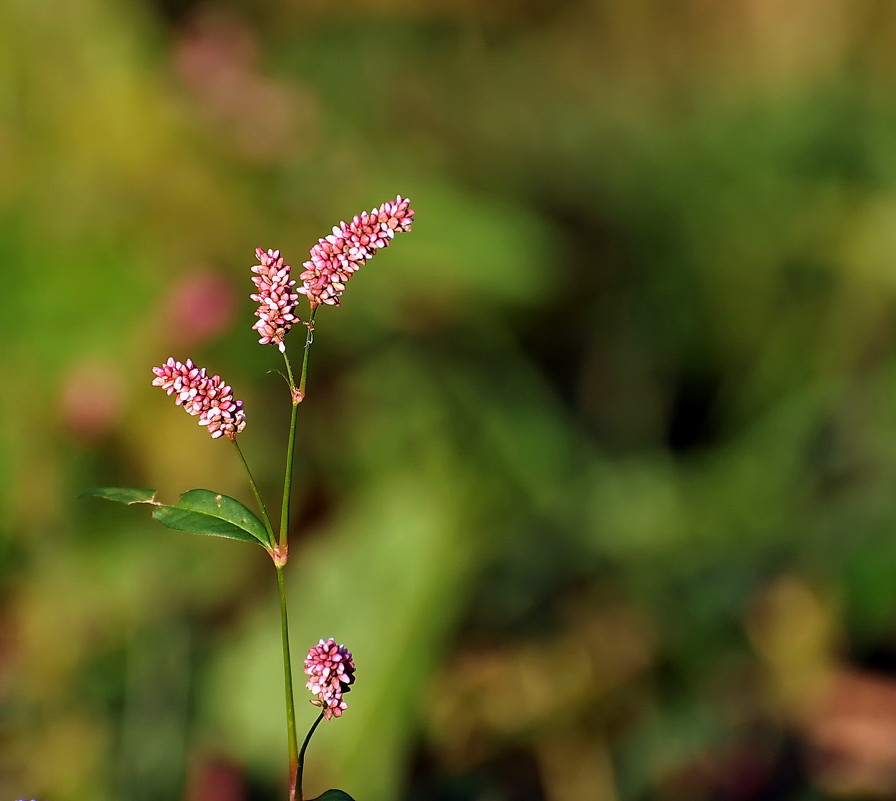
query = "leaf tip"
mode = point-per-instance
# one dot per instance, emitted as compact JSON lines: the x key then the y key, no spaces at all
{"x":126,"y":495}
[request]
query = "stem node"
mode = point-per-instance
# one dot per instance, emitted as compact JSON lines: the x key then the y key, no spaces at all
{"x":280,"y":555}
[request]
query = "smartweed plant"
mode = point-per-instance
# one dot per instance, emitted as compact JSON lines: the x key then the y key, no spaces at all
{"x":334,"y":259}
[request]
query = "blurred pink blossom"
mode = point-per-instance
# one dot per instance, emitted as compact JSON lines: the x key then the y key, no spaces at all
{"x":215,"y":778}
{"x":217,"y":55}
{"x":198,"y":308}
{"x":91,"y":399}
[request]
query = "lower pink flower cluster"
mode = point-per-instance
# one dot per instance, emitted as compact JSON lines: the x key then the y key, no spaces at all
{"x":332,"y":673}
{"x":203,"y":395}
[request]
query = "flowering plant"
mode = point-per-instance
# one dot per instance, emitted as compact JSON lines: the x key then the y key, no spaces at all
{"x":333,"y":260}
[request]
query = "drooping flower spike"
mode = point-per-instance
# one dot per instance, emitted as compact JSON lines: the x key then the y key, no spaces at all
{"x":335,"y":258}
{"x":203,"y":395}
{"x":275,"y":297}
{"x":332,"y":672}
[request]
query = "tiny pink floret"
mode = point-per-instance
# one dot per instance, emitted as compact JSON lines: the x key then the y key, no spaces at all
{"x":275,"y":297}
{"x":335,"y":258}
{"x":332,"y":672}
{"x":207,"y":397}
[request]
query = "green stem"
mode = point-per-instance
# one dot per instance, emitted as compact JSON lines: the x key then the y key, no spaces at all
{"x":298,"y":393}
{"x":287,"y":482}
{"x":289,"y":377}
{"x":264,"y":511}
{"x":287,"y":682}
{"x":316,"y":723}
{"x":309,"y":338}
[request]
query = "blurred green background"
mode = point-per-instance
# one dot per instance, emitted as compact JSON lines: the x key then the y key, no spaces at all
{"x":597,"y":465}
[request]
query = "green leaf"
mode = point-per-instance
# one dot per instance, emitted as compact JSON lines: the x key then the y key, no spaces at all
{"x":199,"y":511}
{"x":127,"y":495}
{"x":334,"y":795}
{"x":202,"y":511}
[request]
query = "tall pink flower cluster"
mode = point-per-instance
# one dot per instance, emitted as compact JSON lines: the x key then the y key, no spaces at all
{"x":334,"y":259}
{"x":332,"y":672}
{"x":203,"y":395}
{"x":275,"y":297}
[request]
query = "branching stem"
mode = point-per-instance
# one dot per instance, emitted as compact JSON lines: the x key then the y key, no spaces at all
{"x":298,"y":393}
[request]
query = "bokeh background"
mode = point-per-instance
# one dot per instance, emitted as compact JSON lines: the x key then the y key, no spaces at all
{"x":597,"y":465}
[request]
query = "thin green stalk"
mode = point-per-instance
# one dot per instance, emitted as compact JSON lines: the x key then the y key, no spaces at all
{"x":316,"y":723}
{"x":297,"y":394}
{"x":289,"y":378}
{"x":309,"y":338}
{"x":287,"y":481}
{"x":287,"y":682}
{"x":264,"y":512}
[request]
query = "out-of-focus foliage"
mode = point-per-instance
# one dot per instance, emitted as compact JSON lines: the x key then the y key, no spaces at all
{"x":598,"y":465}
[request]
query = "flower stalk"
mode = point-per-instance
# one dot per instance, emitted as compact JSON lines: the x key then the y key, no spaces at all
{"x":333,"y":261}
{"x":261,"y":505}
{"x":311,"y":731}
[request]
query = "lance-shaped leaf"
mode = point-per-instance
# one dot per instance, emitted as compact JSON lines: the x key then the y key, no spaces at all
{"x":199,"y":511}
{"x":205,"y":512}
{"x":334,"y":795}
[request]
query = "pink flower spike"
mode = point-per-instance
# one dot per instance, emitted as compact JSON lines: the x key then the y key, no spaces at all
{"x":275,"y":297}
{"x":336,"y":257}
{"x":332,"y":672}
{"x":208,"y":398}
